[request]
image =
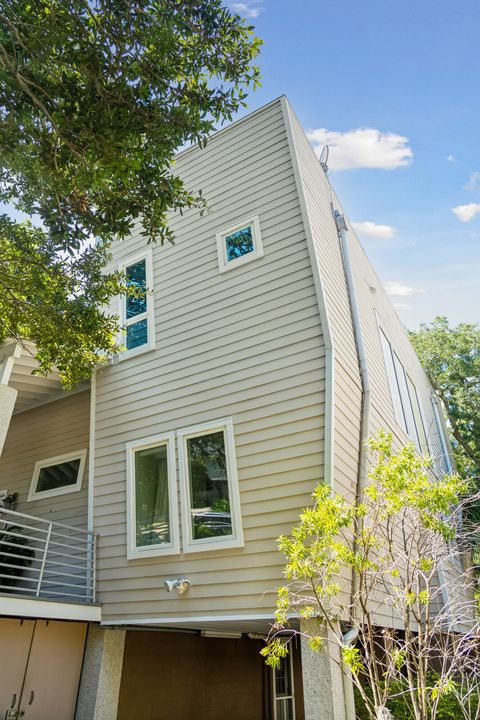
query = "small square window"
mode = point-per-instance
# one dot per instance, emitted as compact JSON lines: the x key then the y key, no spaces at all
{"x":239,"y":245}
{"x":57,"y":475}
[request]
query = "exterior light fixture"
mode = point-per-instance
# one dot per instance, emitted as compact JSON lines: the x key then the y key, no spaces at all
{"x":181,"y":585}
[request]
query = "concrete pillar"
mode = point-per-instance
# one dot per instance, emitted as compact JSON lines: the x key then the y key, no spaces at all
{"x":327,"y":693}
{"x":8,"y":395}
{"x":101,"y":674}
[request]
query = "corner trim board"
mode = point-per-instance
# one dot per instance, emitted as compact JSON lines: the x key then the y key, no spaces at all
{"x":329,"y":438}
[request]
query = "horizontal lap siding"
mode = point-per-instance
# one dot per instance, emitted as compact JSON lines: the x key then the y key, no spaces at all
{"x":246,"y":344}
{"x":347,"y":387}
{"x":375,"y":303}
{"x":56,"y":428}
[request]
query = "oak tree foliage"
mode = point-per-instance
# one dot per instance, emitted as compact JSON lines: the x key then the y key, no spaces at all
{"x":95,"y":98}
{"x":451,"y":358}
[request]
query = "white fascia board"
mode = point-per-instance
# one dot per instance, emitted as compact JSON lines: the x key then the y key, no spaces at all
{"x":48,"y":609}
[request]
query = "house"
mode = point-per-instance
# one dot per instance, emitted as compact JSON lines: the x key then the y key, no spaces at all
{"x":263,"y":354}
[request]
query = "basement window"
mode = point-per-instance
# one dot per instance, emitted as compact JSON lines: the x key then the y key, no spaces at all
{"x":239,"y":245}
{"x":57,"y":475}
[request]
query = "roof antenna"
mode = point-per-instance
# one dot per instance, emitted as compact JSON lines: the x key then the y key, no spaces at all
{"x":324,"y":157}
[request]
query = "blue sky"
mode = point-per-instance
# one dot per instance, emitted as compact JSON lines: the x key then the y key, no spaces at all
{"x":408,"y":72}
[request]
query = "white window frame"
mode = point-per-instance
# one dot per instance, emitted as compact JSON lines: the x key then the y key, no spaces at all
{"x":441,"y":430}
{"x":257,"y":252}
{"x":402,"y":403}
{"x":57,"y":460}
{"x":149,"y":315}
{"x":214,"y":543}
{"x":173,"y":547}
{"x":285,"y":697}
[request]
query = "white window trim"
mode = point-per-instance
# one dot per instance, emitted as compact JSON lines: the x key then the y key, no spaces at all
{"x":149,"y":315}
{"x":173,"y":547}
{"x":285,"y":697}
{"x":257,"y":252}
{"x":404,"y":422}
{"x":215,"y":543}
{"x":438,"y":415}
{"x":78,"y":455}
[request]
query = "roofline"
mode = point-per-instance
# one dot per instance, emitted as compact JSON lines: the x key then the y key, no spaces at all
{"x":228,"y":127}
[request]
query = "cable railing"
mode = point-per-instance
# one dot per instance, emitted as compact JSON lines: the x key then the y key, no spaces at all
{"x":45,"y":559}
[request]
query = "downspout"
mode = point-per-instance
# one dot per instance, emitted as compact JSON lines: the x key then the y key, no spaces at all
{"x":364,"y":422}
{"x":361,"y":354}
{"x":91,"y":452}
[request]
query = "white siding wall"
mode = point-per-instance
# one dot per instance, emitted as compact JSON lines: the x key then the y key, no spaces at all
{"x":47,"y":431}
{"x":245,"y":344}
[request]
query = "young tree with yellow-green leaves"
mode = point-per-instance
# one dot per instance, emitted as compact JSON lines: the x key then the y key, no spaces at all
{"x":397,"y":554}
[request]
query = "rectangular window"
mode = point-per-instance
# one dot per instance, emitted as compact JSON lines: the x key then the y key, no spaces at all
{"x":392,"y":381}
{"x":58,"y":475}
{"x":152,"y":497}
{"x":210,"y":497}
{"x":441,"y":457}
{"x":418,"y":417}
{"x":137,"y":308}
{"x":404,"y":396}
{"x":239,"y":245}
{"x":405,"y":400}
{"x":283,"y":690}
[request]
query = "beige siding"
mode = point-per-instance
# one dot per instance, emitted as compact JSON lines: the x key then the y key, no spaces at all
{"x":47,"y":431}
{"x":375,"y":309}
{"x":246,"y":344}
{"x":347,"y":385}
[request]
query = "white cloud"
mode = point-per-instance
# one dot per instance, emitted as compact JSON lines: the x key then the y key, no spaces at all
{"x":402,"y":306}
{"x":399,"y":289}
{"x":451,"y":158}
{"x":373,"y":230}
{"x":362,"y":148}
{"x":247,"y":9}
{"x":473,"y":182}
{"x":465,"y":213}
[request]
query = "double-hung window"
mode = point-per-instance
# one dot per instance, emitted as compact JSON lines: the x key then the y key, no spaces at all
{"x":137,"y":305}
{"x":211,"y":516}
{"x":152,"y":516}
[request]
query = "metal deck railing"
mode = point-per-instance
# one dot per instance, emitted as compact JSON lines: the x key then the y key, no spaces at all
{"x":45,"y":559}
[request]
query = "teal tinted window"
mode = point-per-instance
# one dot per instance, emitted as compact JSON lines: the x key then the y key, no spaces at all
{"x":151,"y":497}
{"x":136,"y":277}
{"x":209,"y":492}
{"x":239,"y":243}
{"x":137,"y":334}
